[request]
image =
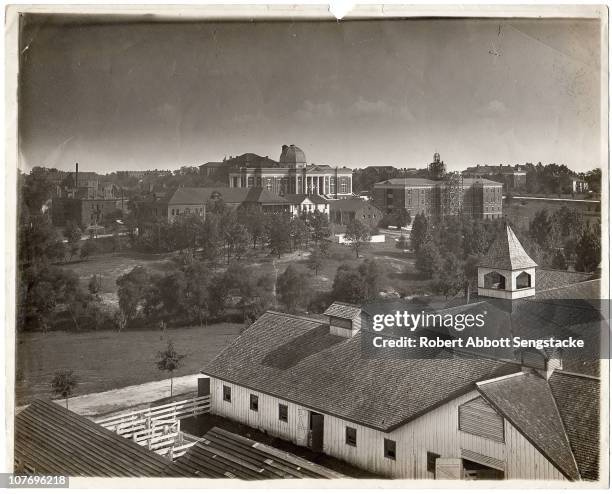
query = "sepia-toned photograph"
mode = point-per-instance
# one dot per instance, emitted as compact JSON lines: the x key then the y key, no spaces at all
{"x":273,"y":245}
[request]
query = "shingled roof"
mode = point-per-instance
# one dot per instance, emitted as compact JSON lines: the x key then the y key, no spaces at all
{"x":297,"y":359}
{"x":56,"y":441}
{"x":577,"y":398}
{"x":507,"y":253}
{"x":222,"y":454}
{"x":229,"y":195}
{"x":526,"y":401}
{"x":343,"y":310}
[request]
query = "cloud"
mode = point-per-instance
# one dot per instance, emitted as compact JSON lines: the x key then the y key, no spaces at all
{"x":493,"y":108}
{"x":313,"y":111}
{"x":365,"y":108}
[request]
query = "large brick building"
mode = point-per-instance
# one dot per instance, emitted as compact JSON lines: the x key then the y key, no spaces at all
{"x":478,"y":198}
{"x":292,"y":175}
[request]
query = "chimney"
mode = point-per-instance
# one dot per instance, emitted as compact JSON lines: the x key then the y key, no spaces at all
{"x":344,"y":319}
{"x":76,"y":177}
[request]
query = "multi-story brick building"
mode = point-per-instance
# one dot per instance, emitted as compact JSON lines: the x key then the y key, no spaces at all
{"x":513,"y":177}
{"x":478,"y":198}
{"x":292,"y":175}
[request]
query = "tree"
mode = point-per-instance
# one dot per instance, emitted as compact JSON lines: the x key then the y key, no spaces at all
{"x":449,"y":277}
{"x":318,"y":223}
{"x":197,"y":277}
{"x":349,"y":285}
{"x":131,"y":290}
{"x":357,"y":235}
{"x":279,"y":235}
{"x":588,"y":251}
{"x":63,"y":384}
{"x":89,"y":248}
{"x":373,"y":275}
{"x":293,"y":288}
{"x":169,"y":361}
{"x":94,"y":285}
{"x":420,"y":226}
{"x":428,"y":258}
{"x":315,"y":260}
{"x":120,"y":320}
{"x":73,"y":236}
{"x":299,"y":232}
{"x":559,"y":261}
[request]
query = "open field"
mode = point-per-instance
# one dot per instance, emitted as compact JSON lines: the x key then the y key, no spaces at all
{"x":105,"y":360}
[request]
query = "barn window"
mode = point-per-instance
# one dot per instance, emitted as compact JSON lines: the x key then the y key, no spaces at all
{"x":477,"y":417}
{"x":283,"y":412}
{"x":227,"y":394}
{"x":431,"y":461}
{"x":351,"y":436}
{"x":254,"y":403}
{"x":389,"y":446}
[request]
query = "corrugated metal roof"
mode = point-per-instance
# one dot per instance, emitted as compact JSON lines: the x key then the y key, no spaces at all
{"x":343,"y":310}
{"x":507,"y":253}
{"x":527,"y":402}
{"x":56,"y":441}
{"x":222,"y":454}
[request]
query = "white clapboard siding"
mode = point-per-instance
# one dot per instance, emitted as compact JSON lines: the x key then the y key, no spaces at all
{"x":479,"y":418}
{"x":437,"y":432}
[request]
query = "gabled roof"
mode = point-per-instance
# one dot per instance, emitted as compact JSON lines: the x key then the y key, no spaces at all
{"x":56,"y":441}
{"x":526,"y":401}
{"x":229,"y":195}
{"x":507,"y":253}
{"x":299,"y":360}
{"x":343,"y":310}
{"x":222,"y":454}
{"x":577,"y":399}
{"x":350,"y":205}
{"x":300,"y":198}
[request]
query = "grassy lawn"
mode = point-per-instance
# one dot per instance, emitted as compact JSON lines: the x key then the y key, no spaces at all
{"x":109,"y":267}
{"x":106,"y":360}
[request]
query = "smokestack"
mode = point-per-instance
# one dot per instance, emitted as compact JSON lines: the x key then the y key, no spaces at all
{"x":76,"y":177}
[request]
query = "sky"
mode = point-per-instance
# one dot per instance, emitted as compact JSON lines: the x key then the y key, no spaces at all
{"x":132,"y":96}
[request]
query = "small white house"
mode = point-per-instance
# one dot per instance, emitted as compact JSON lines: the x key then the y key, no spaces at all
{"x":304,"y":204}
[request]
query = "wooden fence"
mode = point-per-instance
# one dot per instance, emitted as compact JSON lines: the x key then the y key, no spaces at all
{"x":158,"y":428}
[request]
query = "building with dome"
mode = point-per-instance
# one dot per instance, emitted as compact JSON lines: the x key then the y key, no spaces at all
{"x":293,"y":175}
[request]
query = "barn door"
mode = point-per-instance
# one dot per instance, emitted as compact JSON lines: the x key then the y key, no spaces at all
{"x":316,"y":432}
{"x":449,"y":468}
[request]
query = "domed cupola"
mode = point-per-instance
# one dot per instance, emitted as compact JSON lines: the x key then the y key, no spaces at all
{"x":292,"y":157}
{"x":507,"y":271}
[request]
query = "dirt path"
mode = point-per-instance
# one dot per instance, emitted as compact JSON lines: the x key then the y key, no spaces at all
{"x":95,"y":404}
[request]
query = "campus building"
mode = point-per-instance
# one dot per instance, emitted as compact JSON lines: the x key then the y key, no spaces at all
{"x":510,"y":416}
{"x":476,"y":198}
{"x":513,"y":177}
{"x":292,"y":175}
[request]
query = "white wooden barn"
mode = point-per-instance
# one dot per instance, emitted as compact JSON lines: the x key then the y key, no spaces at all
{"x":307,"y":381}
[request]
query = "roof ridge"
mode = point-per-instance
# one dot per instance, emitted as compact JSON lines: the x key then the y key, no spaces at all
{"x":500,"y":378}
{"x":577,"y":374}
{"x":294,"y":316}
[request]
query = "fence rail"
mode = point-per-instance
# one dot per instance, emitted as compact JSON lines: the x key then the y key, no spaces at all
{"x":158,"y":428}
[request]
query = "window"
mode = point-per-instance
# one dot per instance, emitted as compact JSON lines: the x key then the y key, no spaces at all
{"x":478,"y":418}
{"x":389,"y":449}
{"x":227,"y":394}
{"x":351,"y":436}
{"x":283,"y":412}
{"x":254,"y":403}
{"x":431,"y":461}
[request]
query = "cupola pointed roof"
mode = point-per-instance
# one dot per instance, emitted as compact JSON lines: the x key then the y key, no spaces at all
{"x":507,"y":253}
